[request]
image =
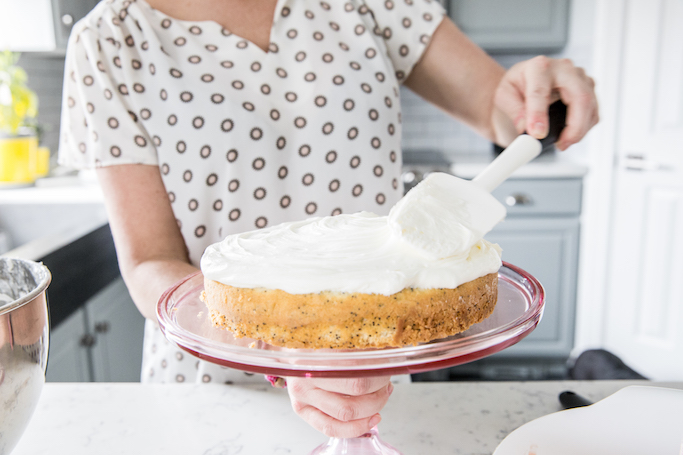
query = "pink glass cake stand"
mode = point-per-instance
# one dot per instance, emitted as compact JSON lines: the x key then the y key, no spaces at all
{"x":184,"y":319}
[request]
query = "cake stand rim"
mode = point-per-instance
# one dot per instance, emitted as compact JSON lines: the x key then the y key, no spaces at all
{"x":529,"y":320}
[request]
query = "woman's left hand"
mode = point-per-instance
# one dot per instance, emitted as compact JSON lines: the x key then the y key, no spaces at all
{"x":340,"y":408}
{"x":528,"y":88}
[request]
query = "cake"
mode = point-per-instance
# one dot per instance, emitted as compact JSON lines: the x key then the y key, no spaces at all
{"x":358,"y":280}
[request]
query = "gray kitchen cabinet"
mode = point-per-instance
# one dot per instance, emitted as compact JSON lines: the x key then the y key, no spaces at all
{"x":541,"y":235}
{"x":547,"y":249}
{"x":513,"y":25}
{"x":65,"y":14}
{"x":69,"y":358}
{"x":100,"y":342}
{"x":118,"y":328}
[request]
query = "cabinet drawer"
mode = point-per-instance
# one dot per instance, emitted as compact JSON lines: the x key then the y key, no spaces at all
{"x":513,"y":26}
{"x":528,"y":197}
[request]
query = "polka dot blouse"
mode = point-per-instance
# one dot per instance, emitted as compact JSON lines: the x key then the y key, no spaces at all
{"x":245,"y":138}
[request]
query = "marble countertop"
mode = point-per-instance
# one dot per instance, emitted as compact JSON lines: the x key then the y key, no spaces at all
{"x":420,"y":418}
{"x":71,"y":189}
{"x":550,"y":165}
{"x":82,"y":188}
{"x":54,"y":212}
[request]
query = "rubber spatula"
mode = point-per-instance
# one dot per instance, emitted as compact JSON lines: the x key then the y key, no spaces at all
{"x":445,"y":216}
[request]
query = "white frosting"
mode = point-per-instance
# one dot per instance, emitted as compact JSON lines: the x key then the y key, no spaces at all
{"x":445,"y":216}
{"x":423,"y":243}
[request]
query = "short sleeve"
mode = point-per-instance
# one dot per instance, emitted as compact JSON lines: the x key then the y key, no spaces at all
{"x":99,"y":126}
{"x":407,"y":27}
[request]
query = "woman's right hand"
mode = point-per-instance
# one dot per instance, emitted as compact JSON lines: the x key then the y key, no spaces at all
{"x":340,"y":408}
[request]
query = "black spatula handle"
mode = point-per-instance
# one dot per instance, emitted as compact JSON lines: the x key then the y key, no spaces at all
{"x":557,"y":116}
{"x":557,"y":119}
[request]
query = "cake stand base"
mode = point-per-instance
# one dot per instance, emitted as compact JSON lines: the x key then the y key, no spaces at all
{"x":367,"y":444}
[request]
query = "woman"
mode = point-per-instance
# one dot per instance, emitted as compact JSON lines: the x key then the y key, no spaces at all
{"x":219,"y":116}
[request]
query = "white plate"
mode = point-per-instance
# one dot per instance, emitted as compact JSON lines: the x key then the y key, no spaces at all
{"x":636,"y":420}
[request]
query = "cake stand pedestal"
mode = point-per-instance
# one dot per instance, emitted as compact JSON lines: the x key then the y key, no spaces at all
{"x":366,"y":444}
{"x":184,"y":320}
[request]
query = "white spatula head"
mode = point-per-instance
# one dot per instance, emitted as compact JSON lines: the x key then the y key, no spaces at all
{"x":445,"y":216}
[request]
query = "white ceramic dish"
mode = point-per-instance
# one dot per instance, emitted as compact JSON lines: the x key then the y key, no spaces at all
{"x":636,"y":420}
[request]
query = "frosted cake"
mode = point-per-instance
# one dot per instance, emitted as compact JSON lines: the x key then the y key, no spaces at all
{"x":360,"y":280}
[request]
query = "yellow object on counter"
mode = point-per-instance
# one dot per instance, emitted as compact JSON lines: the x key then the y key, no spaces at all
{"x":43,"y":162}
{"x":19,"y":159}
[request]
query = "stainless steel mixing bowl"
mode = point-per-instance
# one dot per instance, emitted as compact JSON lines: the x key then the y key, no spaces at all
{"x":24,"y":340}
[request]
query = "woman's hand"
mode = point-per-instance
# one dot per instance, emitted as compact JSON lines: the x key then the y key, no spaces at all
{"x":527,"y":90}
{"x":340,"y":408}
{"x":460,"y":78}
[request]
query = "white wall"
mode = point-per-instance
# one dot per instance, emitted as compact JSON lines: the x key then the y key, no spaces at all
{"x":26,"y":25}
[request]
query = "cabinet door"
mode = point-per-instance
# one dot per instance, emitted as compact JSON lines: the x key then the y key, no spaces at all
{"x":548,"y":249}
{"x":513,"y":25}
{"x":65,"y":14}
{"x":118,"y":328}
{"x":69,"y":356}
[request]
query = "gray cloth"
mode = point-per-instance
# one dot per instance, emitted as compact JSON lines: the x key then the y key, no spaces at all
{"x":601,"y":364}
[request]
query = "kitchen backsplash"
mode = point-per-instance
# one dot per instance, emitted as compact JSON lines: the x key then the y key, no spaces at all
{"x":45,"y":76}
{"x":427,"y":128}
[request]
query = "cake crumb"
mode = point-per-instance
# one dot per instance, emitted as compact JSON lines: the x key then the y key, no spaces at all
{"x":252,"y":345}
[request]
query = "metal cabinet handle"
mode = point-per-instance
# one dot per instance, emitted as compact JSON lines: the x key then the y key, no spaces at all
{"x":68,"y":20}
{"x":411,"y":177}
{"x":102,"y":327}
{"x":87,"y":341}
{"x":518,"y":199}
{"x":639,"y":162}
